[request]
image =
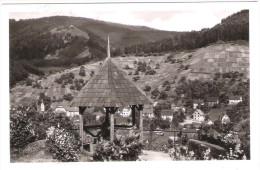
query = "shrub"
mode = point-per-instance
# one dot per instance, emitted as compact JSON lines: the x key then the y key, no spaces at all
{"x":122,"y":148}
{"x":62,"y":144}
{"x":136,"y":72}
{"x":155,"y":92}
{"x":168,"y":88}
{"x":136,"y":78}
{"x":27,"y":125}
{"x":21,"y":130}
{"x":163,"y":95}
{"x":150,"y":72}
{"x":166,"y":83}
{"x":147,"y":88}
{"x":92,"y":73}
{"x":68,"y":97}
{"x":82,"y":72}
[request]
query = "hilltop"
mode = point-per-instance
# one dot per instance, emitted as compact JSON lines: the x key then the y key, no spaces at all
{"x":202,"y":64}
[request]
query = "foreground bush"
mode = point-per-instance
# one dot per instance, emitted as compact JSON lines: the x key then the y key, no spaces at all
{"x":123,"y":148}
{"x":63,"y":145}
{"x":21,"y":129}
{"x":27,"y":125}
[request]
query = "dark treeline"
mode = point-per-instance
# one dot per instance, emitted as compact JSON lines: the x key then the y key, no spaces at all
{"x":232,"y":28}
{"x":19,"y":70}
{"x":60,"y":62}
{"x":31,"y":41}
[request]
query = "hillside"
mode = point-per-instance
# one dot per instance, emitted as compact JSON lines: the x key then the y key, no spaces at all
{"x":232,"y":28}
{"x":68,"y":41}
{"x":62,"y":41}
{"x":121,"y":35}
{"x":203,"y":64}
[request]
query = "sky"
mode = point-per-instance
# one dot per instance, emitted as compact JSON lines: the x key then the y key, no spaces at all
{"x":164,"y":18}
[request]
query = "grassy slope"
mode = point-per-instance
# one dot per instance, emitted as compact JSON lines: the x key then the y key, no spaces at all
{"x":203,"y":65}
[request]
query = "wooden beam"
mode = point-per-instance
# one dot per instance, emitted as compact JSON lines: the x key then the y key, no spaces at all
{"x":107,"y":115}
{"x":81,"y":132}
{"x":139,"y":107}
{"x":133,"y":114}
{"x":141,"y":123}
{"x":112,"y":127}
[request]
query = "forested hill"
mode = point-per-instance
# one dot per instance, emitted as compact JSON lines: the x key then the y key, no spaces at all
{"x":67,"y":41}
{"x":64,"y":41}
{"x":232,"y":28}
{"x":120,"y":35}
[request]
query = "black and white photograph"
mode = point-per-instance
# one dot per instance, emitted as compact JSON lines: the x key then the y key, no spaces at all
{"x":120,"y":82}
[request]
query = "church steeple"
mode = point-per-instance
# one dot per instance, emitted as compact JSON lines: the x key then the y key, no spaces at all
{"x":108,"y":47}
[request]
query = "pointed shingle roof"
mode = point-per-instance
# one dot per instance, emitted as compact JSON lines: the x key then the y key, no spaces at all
{"x":110,"y":87}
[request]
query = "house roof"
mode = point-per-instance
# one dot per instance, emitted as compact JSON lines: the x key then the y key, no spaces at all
{"x":71,"y":109}
{"x":215,"y":114}
{"x":234,"y":97}
{"x":199,"y":111}
{"x":166,"y":112}
{"x":110,"y":87}
{"x":212,"y":99}
{"x":65,"y":105}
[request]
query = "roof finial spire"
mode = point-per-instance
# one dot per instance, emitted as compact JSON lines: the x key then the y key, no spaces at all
{"x":108,"y":47}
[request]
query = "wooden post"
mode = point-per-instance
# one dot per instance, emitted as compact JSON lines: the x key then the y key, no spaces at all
{"x":133,"y":114}
{"x":141,"y":123}
{"x":81,"y":124}
{"x":107,"y":116}
{"x":111,"y":126}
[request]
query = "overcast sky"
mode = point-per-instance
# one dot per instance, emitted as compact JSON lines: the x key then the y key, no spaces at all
{"x":164,"y":19}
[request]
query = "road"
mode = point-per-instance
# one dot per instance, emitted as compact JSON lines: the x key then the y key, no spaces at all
{"x":155,"y":156}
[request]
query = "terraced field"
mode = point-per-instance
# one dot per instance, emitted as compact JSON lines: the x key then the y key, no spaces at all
{"x":204,"y":63}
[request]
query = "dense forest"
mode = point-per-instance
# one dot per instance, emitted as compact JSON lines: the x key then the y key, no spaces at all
{"x":232,"y":28}
{"x":28,"y":50}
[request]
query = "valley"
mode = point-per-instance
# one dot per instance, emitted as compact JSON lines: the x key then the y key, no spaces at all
{"x":203,"y":64}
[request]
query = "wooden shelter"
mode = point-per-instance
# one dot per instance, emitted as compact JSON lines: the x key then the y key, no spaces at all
{"x":110,"y":88}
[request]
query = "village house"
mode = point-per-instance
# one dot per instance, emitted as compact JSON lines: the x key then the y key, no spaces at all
{"x":72,"y":111}
{"x":198,"y":116}
{"x":225,"y":119}
{"x":126,"y":112}
{"x":155,"y":103}
{"x":212,"y":101}
{"x":64,"y":107}
{"x":209,"y":122}
{"x":151,"y":64}
{"x":219,"y":114}
{"x":233,"y":100}
{"x":148,"y":111}
{"x":167,"y":114}
{"x":197,"y":102}
{"x":42,"y":107}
